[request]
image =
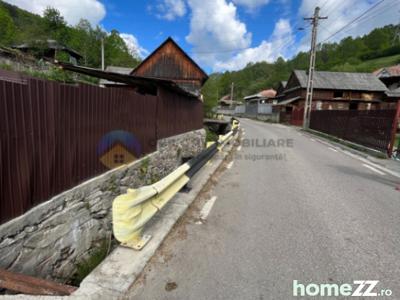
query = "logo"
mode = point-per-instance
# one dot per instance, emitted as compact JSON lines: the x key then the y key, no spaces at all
{"x":118,"y":148}
{"x":359,"y":288}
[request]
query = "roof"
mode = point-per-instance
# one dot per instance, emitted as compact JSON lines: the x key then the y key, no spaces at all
{"x":131,"y":80}
{"x":283,"y":83}
{"x":269,"y":93}
{"x":393,"y":71}
{"x":393,"y":93}
{"x":114,"y":69}
{"x":170,"y":40}
{"x":342,"y":81}
{"x":288,"y":101}
{"x":51,"y":44}
{"x":226,"y":97}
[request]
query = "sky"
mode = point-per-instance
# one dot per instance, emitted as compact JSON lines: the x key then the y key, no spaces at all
{"x":224,"y":35}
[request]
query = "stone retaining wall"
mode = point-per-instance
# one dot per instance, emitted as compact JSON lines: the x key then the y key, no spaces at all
{"x":49,"y":240}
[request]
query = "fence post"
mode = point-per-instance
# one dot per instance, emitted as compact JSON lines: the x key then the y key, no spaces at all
{"x":394,"y":130}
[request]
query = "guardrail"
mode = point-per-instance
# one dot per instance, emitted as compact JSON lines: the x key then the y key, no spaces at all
{"x":131,"y":211}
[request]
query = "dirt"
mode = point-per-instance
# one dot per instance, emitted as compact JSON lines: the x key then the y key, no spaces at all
{"x":170,"y":286}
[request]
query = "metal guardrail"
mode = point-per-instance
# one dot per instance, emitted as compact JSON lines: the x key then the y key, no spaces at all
{"x":131,"y":211}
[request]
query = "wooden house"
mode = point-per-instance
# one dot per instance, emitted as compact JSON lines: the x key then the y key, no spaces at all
{"x":170,"y":62}
{"x":334,"y":90}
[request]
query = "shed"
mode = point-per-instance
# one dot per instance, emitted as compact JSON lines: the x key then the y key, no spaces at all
{"x":170,"y":62}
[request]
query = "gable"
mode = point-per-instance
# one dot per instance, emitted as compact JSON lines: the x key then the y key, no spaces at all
{"x":293,"y":82}
{"x":169,"y":61}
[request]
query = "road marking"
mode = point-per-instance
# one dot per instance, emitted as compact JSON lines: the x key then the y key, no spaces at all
{"x":205,"y":211}
{"x":373,"y":169}
{"x":229,"y":165}
{"x":239,"y":148}
{"x":333,"y":149}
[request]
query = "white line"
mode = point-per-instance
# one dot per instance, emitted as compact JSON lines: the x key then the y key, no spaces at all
{"x":205,"y":211}
{"x":229,"y":165}
{"x":373,"y":169}
{"x":333,"y":149}
{"x":239,"y":148}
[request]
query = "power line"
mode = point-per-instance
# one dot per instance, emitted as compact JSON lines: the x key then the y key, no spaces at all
{"x":352,"y":21}
{"x":376,"y":13}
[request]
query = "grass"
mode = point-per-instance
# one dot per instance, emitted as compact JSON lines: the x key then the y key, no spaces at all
{"x":210,"y":135}
{"x":397,"y":141}
{"x":85,"y":267}
{"x":370,"y":65}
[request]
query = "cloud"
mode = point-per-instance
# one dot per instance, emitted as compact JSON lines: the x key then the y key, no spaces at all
{"x":341,"y":12}
{"x":215,"y":26}
{"x":169,"y":9}
{"x":72,"y":10}
{"x":251,"y":4}
{"x":133,"y":45}
{"x":278,"y":45}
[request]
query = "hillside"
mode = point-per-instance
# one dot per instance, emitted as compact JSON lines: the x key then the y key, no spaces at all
{"x":363,"y":54}
{"x":19,"y":26}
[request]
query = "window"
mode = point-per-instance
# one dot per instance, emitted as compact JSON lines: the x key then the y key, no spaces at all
{"x":338,"y":94}
{"x":353,"y":106}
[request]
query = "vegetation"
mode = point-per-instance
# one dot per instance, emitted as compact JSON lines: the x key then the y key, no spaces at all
{"x":18,"y":26}
{"x":95,"y":257}
{"x":377,"y":49}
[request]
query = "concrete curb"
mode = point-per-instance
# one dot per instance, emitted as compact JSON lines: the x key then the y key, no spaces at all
{"x":116,"y":274}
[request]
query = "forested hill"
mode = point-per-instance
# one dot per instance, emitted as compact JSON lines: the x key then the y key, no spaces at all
{"x":377,"y":49}
{"x":19,"y":26}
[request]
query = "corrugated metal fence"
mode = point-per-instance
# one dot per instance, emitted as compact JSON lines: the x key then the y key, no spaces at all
{"x":50,"y":132}
{"x":370,"y":128}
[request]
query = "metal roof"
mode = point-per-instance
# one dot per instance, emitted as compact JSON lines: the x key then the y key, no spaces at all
{"x":51,"y":44}
{"x":265,"y":94}
{"x":288,"y":101}
{"x":114,"y":69}
{"x":392,"y":71}
{"x":342,"y":81}
{"x":131,"y":80}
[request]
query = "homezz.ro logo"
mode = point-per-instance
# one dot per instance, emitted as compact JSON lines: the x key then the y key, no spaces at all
{"x":359,"y":288}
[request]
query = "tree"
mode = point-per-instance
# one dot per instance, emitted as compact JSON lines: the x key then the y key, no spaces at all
{"x":55,"y":26}
{"x":7,"y":28}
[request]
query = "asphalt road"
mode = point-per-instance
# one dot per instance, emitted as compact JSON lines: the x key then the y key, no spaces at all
{"x":317,"y":216}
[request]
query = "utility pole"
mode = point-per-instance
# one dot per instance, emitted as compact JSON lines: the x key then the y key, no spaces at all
{"x":232,"y":86}
{"x":102,"y":54}
{"x":308,"y":104}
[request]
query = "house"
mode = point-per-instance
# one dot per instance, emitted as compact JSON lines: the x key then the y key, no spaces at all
{"x":333,"y":90}
{"x":265,"y":96}
{"x":114,"y":69}
{"x":49,"y":49}
{"x":227,"y":106}
{"x":170,"y":62}
{"x":390,"y":76}
{"x":254,"y":103}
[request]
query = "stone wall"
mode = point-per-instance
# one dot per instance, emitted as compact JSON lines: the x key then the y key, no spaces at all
{"x":49,"y":240}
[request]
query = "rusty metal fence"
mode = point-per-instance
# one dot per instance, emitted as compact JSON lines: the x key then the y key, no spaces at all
{"x":370,"y":128}
{"x":50,"y":132}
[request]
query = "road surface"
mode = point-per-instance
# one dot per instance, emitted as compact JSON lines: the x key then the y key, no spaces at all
{"x":312,"y":213}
